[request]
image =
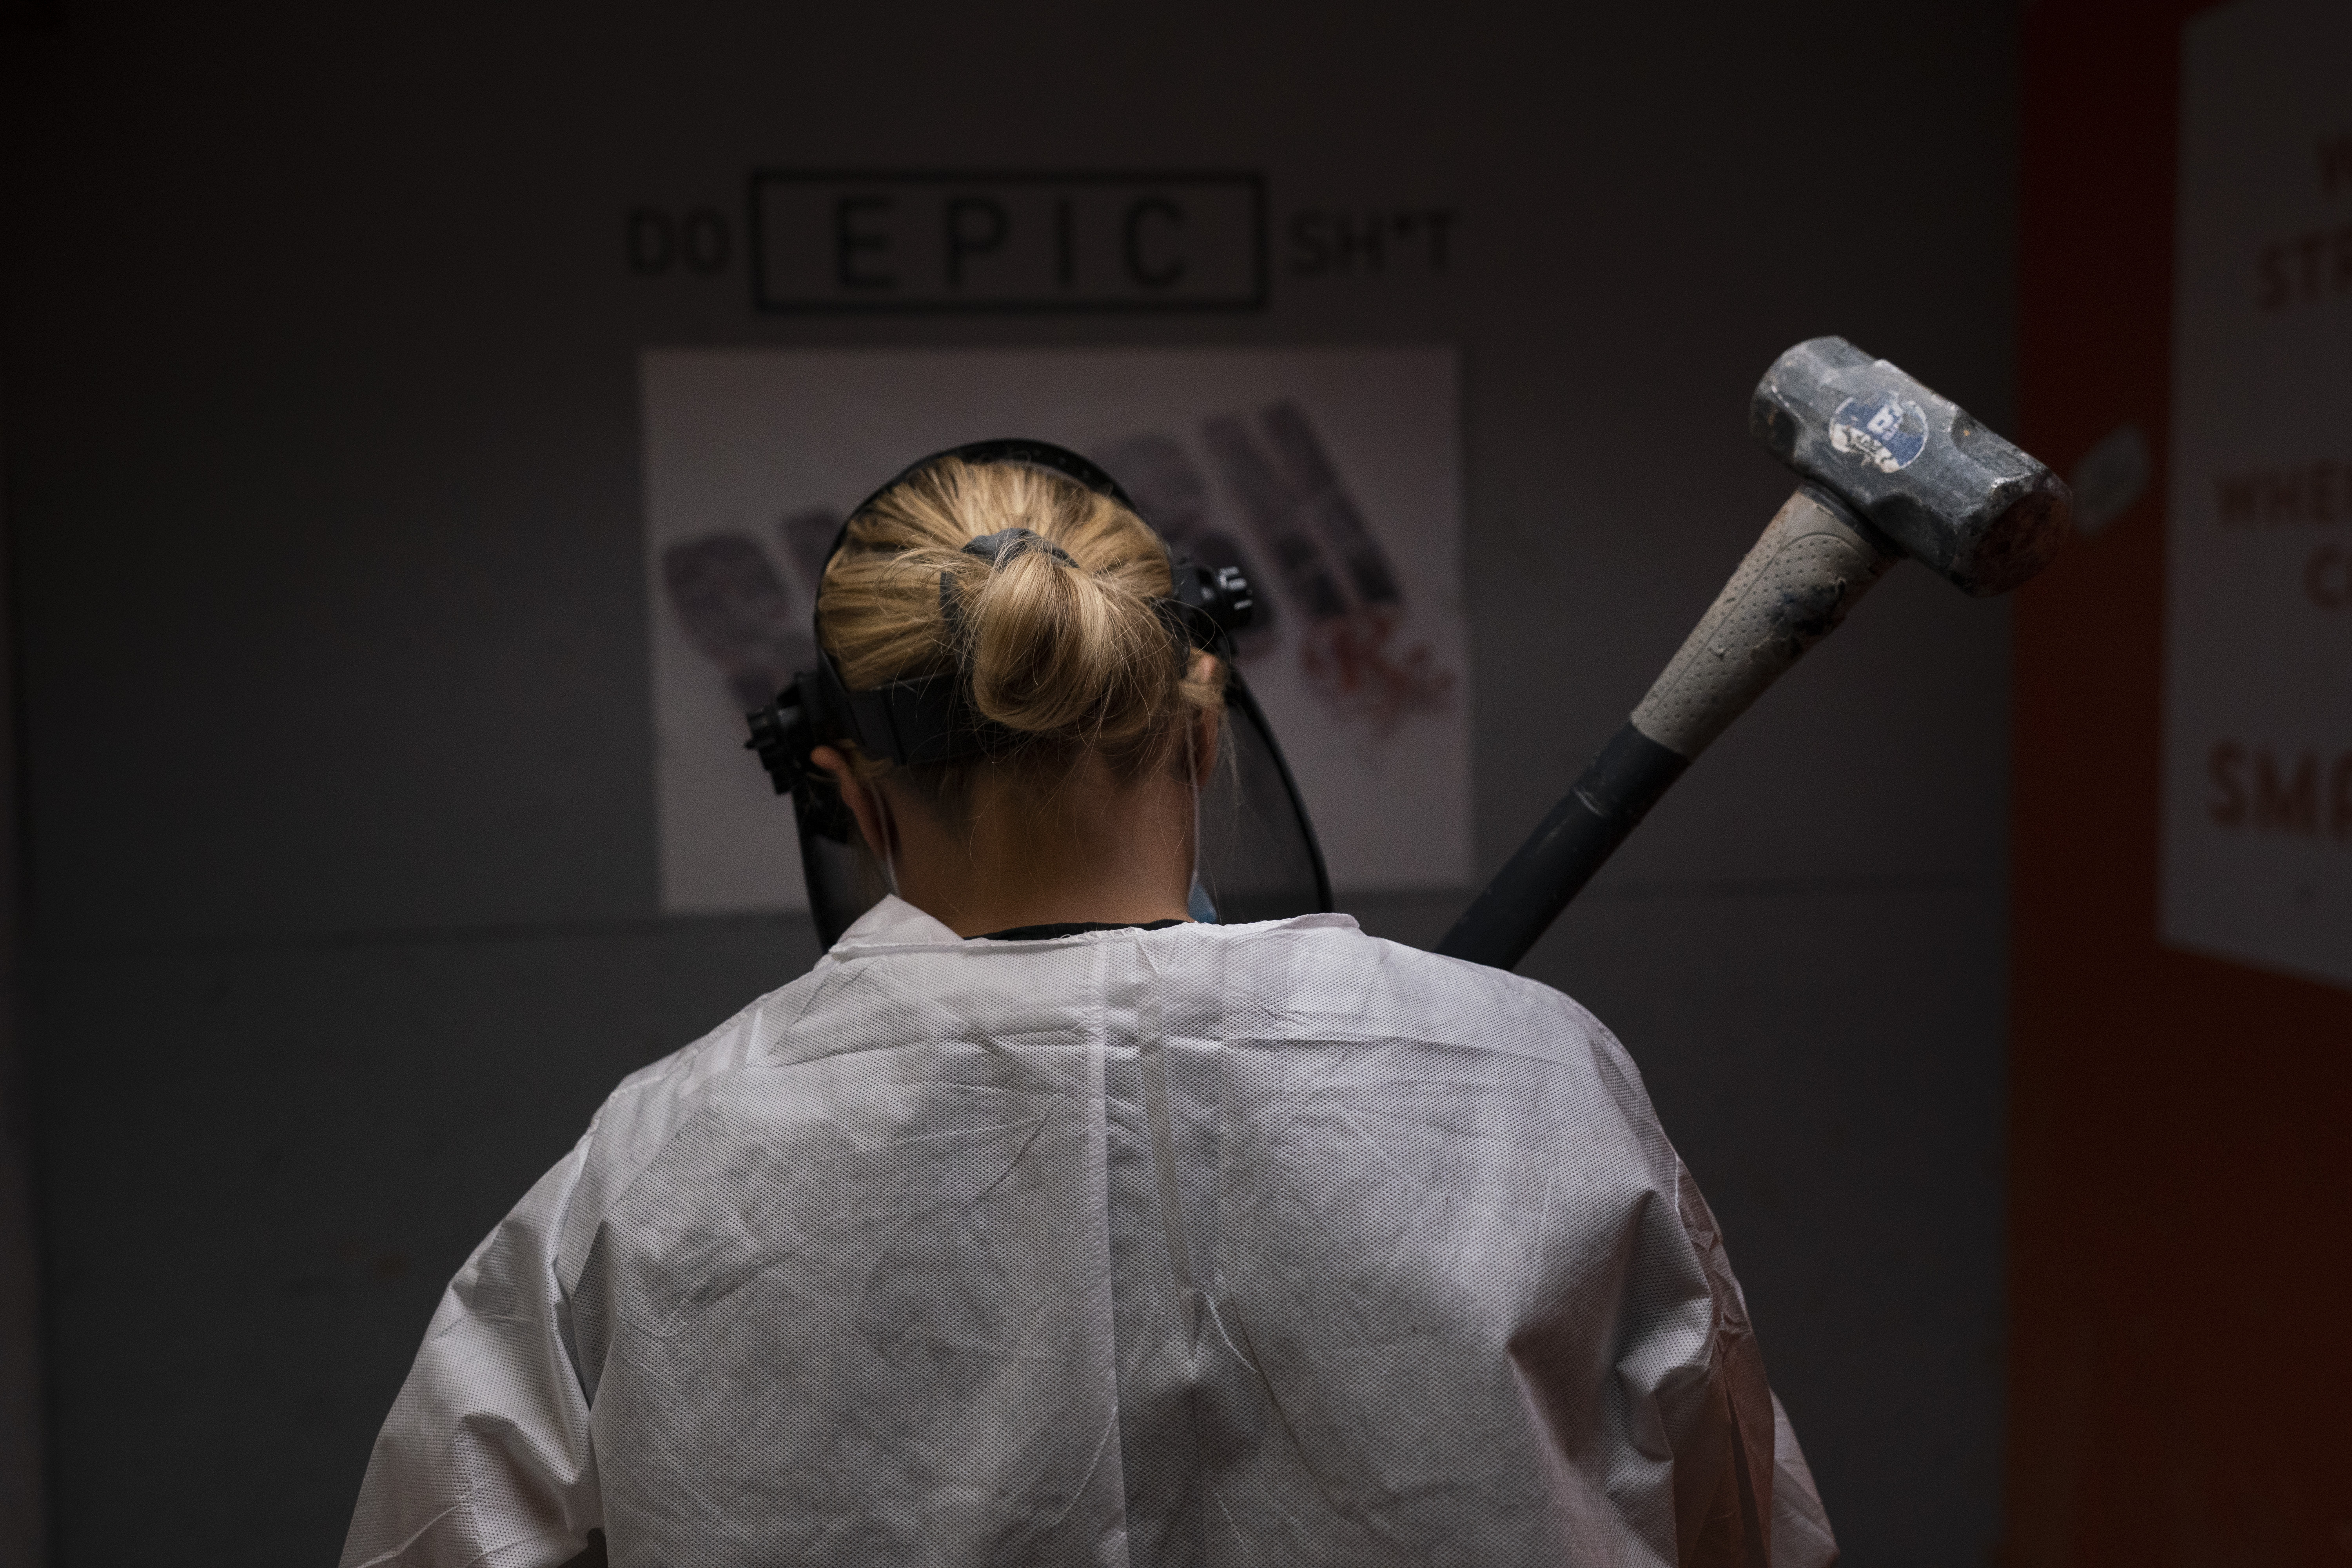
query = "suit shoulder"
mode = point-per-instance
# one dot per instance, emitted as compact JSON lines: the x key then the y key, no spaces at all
{"x":647,"y":1109}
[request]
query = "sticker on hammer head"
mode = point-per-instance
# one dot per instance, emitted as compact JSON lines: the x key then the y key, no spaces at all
{"x":1886,"y":431}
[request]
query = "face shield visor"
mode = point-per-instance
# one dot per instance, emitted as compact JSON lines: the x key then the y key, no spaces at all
{"x":1256,"y":857}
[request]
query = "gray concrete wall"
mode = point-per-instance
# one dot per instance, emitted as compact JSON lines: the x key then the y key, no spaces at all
{"x":319,"y":366}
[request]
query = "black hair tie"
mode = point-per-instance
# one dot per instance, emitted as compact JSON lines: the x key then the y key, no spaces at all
{"x":1007,"y":544}
{"x":997,"y":549}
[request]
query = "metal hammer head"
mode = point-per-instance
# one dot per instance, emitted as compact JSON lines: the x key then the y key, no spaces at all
{"x":1944,"y":489}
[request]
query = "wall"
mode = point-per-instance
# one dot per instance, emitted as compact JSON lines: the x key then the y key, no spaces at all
{"x":2177,"y":1187}
{"x":24,"y":1470}
{"x":319,"y":359}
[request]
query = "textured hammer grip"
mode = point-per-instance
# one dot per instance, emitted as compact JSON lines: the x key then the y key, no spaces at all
{"x":1812,"y":563}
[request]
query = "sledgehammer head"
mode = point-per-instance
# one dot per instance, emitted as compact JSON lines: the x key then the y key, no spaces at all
{"x":1946,"y":491}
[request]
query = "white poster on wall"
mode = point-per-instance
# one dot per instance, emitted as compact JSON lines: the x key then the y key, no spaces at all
{"x":1332,"y":475}
{"x":2258,"y":681}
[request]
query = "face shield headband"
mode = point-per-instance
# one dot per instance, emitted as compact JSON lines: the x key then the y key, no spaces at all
{"x":1259,"y":856}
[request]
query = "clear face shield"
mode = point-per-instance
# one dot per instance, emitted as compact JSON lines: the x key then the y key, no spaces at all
{"x":1256,"y":857}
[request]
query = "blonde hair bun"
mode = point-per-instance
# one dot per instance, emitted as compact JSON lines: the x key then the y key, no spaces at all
{"x":1056,"y":620}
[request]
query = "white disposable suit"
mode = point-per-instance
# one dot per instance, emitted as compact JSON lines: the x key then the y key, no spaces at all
{"x":1269,"y":1243}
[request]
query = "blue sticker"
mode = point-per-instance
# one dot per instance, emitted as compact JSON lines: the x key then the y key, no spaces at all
{"x":1887,"y":431}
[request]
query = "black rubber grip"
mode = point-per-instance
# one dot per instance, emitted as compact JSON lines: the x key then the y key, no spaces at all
{"x":1552,"y":867}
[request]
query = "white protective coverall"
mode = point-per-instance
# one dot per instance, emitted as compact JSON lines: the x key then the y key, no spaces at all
{"x":1257,"y":1244}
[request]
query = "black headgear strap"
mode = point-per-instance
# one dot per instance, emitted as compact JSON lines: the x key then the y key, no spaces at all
{"x":930,"y":719}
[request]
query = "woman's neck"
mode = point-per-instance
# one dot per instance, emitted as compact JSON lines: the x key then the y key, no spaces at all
{"x":1097,"y":849}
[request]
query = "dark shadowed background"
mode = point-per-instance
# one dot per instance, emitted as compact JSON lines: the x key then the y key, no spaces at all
{"x":322,"y":480}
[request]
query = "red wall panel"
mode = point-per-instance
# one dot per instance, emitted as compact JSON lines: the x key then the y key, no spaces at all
{"x":2181,"y":1153}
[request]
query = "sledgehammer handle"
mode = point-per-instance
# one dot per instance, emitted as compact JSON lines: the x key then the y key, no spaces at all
{"x":1583,"y":830}
{"x":1815,"y":558}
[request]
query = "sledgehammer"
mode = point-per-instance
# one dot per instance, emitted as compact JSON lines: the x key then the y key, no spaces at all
{"x":1888,"y":469}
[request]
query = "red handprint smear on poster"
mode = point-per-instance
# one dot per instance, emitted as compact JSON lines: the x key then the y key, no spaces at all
{"x":1353,"y":665}
{"x":1331,"y":566}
